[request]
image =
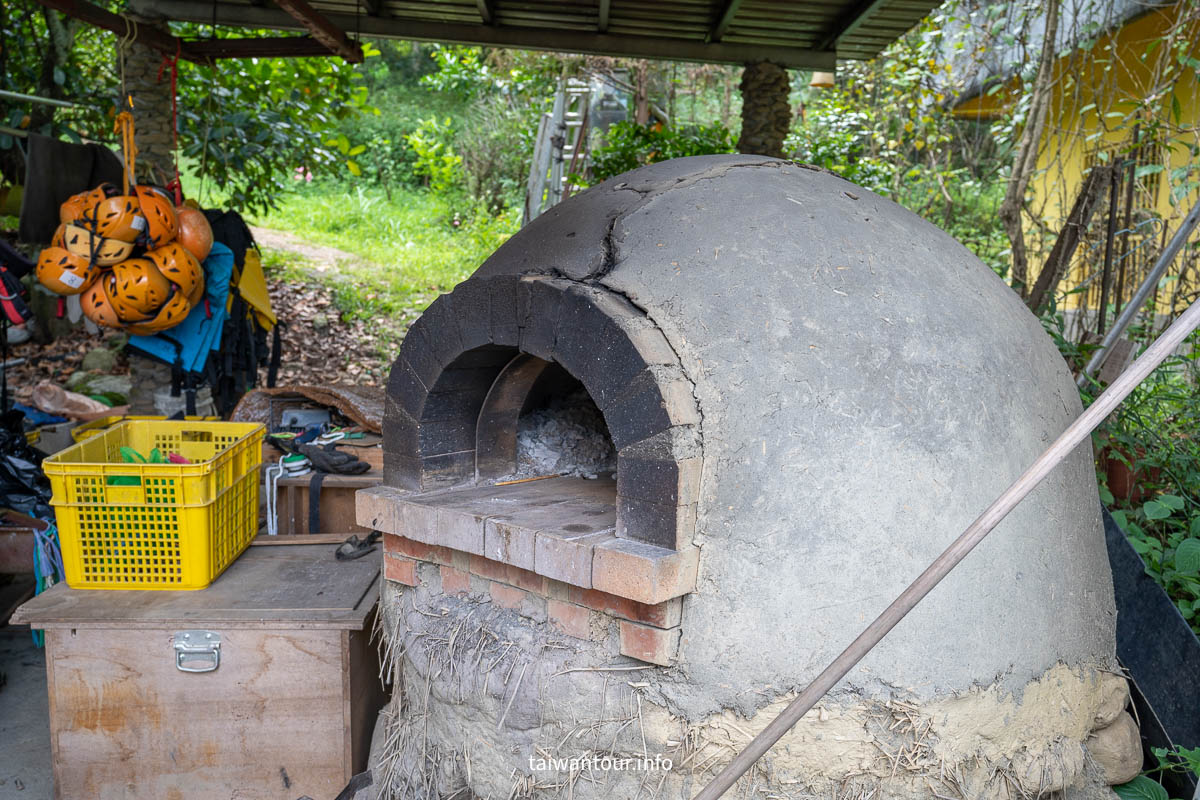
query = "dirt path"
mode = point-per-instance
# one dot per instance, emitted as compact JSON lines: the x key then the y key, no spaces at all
{"x":322,"y":257}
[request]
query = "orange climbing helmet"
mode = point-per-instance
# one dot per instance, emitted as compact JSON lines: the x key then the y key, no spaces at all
{"x":63,"y":272}
{"x":140,"y":289}
{"x":116,"y":217}
{"x":178,"y":266}
{"x":195,"y":233}
{"x":72,"y":209}
{"x":173,"y":312}
{"x":97,"y":305}
{"x":85,"y":244}
{"x":162,"y":223}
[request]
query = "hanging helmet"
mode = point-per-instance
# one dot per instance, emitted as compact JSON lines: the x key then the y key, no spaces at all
{"x":115,"y":218}
{"x":159,"y":211}
{"x":197,"y":295}
{"x":59,"y":240}
{"x":178,"y":266}
{"x":97,"y":305}
{"x":173,"y":312}
{"x":63,"y":272}
{"x":194,"y":232}
{"x":85,"y":244}
{"x":74,"y":206}
{"x":139,"y":288}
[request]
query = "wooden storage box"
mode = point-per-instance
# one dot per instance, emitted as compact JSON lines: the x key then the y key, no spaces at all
{"x":287,"y":711}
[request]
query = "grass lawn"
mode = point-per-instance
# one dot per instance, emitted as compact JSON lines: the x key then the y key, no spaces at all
{"x":410,"y":246}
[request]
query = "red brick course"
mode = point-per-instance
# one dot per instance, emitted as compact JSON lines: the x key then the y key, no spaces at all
{"x":401,"y":570}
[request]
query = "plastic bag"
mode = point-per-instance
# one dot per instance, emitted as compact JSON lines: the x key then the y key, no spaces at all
{"x":23,"y":485}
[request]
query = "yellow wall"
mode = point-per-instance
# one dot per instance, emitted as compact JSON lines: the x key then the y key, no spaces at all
{"x":1099,"y":95}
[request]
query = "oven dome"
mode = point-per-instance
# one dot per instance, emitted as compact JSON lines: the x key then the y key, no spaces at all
{"x":860,"y":387}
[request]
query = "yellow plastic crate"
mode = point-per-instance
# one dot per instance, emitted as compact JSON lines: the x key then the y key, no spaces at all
{"x":87,"y":429}
{"x":156,"y":526}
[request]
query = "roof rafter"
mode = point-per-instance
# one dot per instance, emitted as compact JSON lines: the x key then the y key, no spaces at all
{"x":487,"y":11}
{"x":602,"y":16}
{"x":122,"y":26}
{"x":323,"y":30}
{"x":269,"y":47}
{"x":849,"y":23}
{"x":725,"y":20}
{"x":558,"y":40}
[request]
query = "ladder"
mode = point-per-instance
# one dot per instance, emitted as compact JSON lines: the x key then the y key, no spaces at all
{"x":561,"y":148}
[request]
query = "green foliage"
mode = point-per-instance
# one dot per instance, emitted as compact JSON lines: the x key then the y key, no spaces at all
{"x":495,"y":144}
{"x":1153,"y":435}
{"x":629,"y":145}
{"x":1141,"y":788}
{"x":435,"y":158}
{"x":55,"y":57}
{"x":410,"y":246}
{"x":250,"y":125}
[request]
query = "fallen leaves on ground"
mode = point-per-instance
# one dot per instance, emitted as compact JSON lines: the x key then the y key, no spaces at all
{"x":318,"y":347}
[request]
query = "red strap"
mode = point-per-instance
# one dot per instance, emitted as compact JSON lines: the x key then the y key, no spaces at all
{"x":173,"y":62}
{"x":207,"y":308}
{"x":62,"y":307}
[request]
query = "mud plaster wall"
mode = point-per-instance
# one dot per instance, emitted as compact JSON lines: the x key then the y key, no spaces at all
{"x":866,"y":387}
{"x":495,"y":702}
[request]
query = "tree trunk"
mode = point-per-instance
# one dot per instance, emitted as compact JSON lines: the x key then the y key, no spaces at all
{"x":61,"y":30}
{"x":766,"y":112}
{"x":1025,"y":162}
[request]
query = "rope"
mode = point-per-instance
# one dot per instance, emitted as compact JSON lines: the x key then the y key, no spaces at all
{"x":124,"y":127}
{"x":173,"y":63}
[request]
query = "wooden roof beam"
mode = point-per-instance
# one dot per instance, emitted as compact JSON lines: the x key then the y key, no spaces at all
{"x":602,"y":16}
{"x":323,"y":30}
{"x":487,"y":11}
{"x":122,"y":26}
{"x":269,"y":47}
{"x":567,"y":41}
{"x":725,"y":20}
{"x":849,"y":23}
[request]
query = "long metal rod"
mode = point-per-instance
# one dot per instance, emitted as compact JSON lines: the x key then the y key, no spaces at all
{"x":1075,"y":434}
{"x":1110,"y":236}
{"x":1135,"y":303}
{"x":31,"y":98}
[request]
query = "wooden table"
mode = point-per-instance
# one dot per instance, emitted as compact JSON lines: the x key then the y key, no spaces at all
{"x":286,"y":709}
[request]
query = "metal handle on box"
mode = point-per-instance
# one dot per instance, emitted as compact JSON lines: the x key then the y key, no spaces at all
{"x":197,"y":646}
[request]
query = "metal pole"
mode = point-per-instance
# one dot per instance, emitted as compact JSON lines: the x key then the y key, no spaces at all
{"x":1109,"y":235}
{"x":1076,"y":433}
{"x":1135,"y":303}
{"x":29,"y":98}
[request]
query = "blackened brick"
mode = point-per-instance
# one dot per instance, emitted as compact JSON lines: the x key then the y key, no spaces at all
{"x":540,"y":326}
{"x":406,"y":389}
{"x":658,"y":524}
{"x":638,"y":414}
{"x":447,"y":469}
{"x":659,"y":480}
{"x":471,"y":301}
{"x":447,"y":436}
{"x":503,"y":311}
{"x":440,"y":329}
{"x":419,"y":354}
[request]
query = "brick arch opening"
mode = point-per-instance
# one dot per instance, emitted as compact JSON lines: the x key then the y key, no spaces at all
{"x":467,"y":368}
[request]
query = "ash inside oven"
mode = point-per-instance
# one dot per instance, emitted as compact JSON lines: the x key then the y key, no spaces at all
{"x":565,"y":434}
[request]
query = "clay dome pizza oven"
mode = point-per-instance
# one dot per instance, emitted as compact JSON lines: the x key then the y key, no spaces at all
{"x":766,"y":399}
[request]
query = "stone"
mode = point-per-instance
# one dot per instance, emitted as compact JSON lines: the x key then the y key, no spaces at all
{"x":1117,"y":750}
{"x":320,"y":322}
{"x":99,"y":359}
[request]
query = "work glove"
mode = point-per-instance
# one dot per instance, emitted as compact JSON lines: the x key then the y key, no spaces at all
{"x":327,"y":459}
